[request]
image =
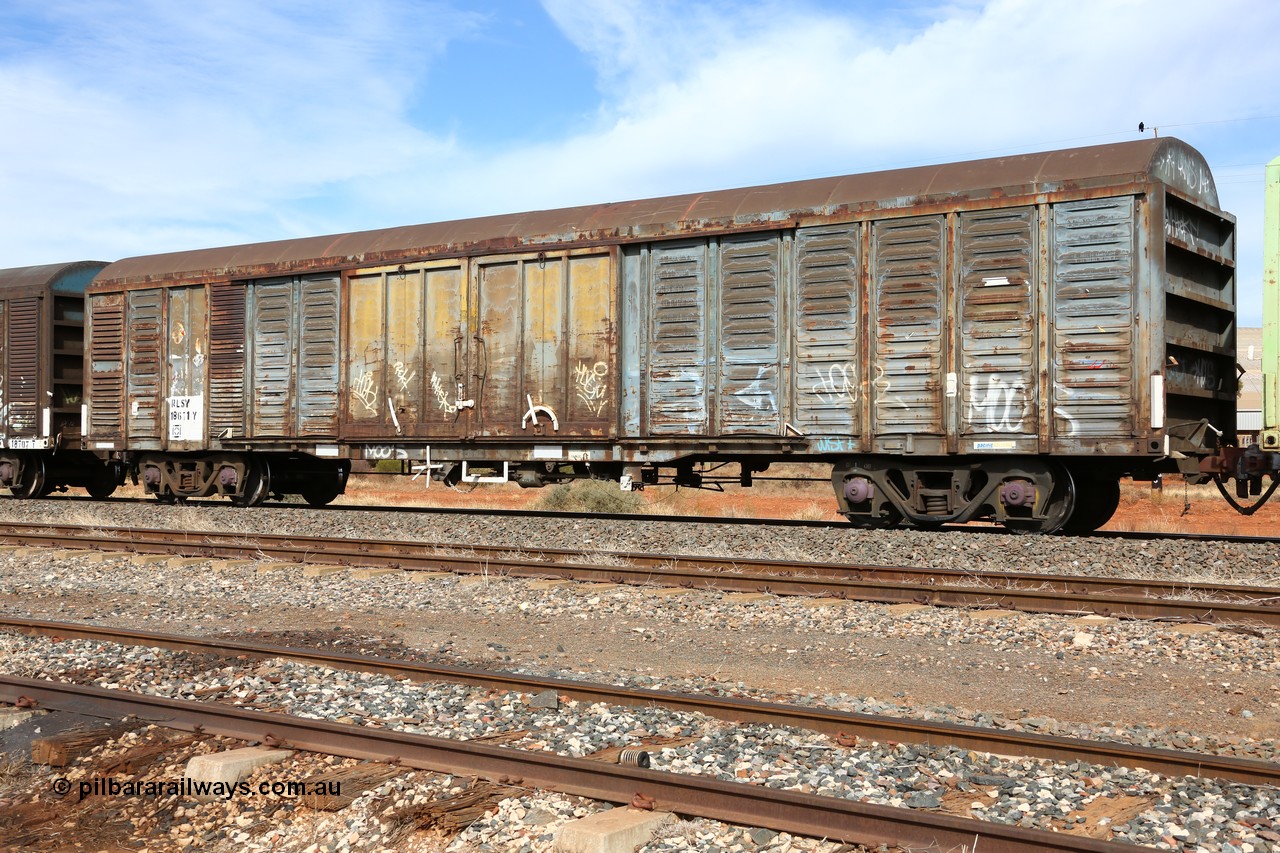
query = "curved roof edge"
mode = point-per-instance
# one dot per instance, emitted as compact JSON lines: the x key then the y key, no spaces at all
{"x":1168,"y":160}
{"x":70,"y":277}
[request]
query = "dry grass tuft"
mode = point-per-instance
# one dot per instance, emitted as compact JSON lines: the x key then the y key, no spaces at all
{"x":16,"y":774}
{"x":590,"y":496}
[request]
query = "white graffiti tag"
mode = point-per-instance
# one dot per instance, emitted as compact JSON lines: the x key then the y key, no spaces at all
{"x":834,"y":385}
{"x":364,"y":392}
{"x":403,"y":376}
{"x":442,"y":397}
{"x":590,"y":381}
{"x":997,"y":409}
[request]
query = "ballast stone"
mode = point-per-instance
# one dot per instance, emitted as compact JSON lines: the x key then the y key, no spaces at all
{"x":232,"y":766}
{"x":619,"y":830}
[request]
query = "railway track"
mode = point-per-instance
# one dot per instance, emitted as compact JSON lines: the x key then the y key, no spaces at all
{"x":841,"y":724}
{"x":977,"y":527}
{"x":782,"y":810}
{"x":1040,"y":593}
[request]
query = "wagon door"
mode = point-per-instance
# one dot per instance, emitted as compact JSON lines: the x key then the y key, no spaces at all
{"x":407,"y":352}
{"x":998,"y":352}
{"x":826,"y":315}
{"x":908,"y":383}
{"x":185,"y":348}
{"x":292,"y":356}
{"x":543,"y":345}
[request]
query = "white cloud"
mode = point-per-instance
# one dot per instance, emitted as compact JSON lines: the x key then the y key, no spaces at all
{"x":714,"y":98}
{"x":155,"y":127}
{"x":142,"y":125}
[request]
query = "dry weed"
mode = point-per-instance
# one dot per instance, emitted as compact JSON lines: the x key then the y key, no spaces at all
{"x":16,"y":773}
{"x":595,"y":559}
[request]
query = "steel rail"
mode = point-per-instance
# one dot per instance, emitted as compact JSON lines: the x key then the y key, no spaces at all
{"x":805,"y":579}
{"x":981,"y":528}
{"x":869,"y":726}
{"x":319,"y":548}
{"x":750,"y":805}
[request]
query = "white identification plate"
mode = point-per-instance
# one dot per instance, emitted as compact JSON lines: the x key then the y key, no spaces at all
{"x":186,"y":418}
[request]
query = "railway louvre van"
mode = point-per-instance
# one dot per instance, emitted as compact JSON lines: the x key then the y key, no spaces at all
{"x":41,"y":382}
{"x":1000,"y":339}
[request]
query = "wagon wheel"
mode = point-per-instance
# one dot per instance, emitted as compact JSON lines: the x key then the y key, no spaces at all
{"x":1096,"y":502}
{"x":1058,"y":507}
{"x":102,"y":483}
{"x":257,"y":483}
{"x":323,"y":489}
{"x":33,"y":484}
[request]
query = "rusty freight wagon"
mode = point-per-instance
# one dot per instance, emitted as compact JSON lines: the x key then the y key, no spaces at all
{"x":41,"y":381}
{"x":992,"y":339}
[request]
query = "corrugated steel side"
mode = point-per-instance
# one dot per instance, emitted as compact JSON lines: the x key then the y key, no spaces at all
{"x":544,"y":369}
{"x":1092,"y":288}
{"x":828,"y":306}
{"x":543,"y":349}
{"x":4,"y":366}
{"x":997,"y":319}
{"x":272,"y":320}
{"x":592,"y":341}
{"x":909,"y":348}
{"x":405,"y":347}
{"x":366,"y":352}
{"x":633,"y":340}
{"x":677,"y":369}
{"x":23,"y":381}
{"x":318,"y":370}
{"x":750,"y":348}
{"x":106,"y":367}
{"x":406,"y":352}
{"x":497,"y":348}
{"x":227,"y":311}
{"x":1249,"y":421}
{"x":444,"y":366}
{"x":144,"y":321}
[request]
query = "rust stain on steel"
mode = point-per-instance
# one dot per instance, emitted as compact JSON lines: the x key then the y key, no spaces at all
{"x":790,"y":811}
{"x":798,"y":203}
{"x":36,"y":281}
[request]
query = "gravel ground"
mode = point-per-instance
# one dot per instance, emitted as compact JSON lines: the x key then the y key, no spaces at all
{"x":1132,"y":681}
{"x":379,"y":819}
{"x":1179,"y":812}
{"x":1192,"y":561}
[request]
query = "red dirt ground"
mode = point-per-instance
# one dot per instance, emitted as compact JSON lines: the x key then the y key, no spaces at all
{"x":1141,"y":508}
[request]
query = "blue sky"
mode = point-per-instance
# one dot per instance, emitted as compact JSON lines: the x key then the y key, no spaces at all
{"x":146,"y":126}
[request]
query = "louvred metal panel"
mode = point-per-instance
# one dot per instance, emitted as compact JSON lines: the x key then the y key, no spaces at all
{"x":106,"y":367}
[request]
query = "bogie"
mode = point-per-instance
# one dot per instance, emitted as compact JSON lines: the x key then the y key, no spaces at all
{"x":1026,"y":495}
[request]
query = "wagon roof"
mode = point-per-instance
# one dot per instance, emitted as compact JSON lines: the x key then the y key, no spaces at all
{"x":1142,"y":161}
{"x":39,"y":280}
